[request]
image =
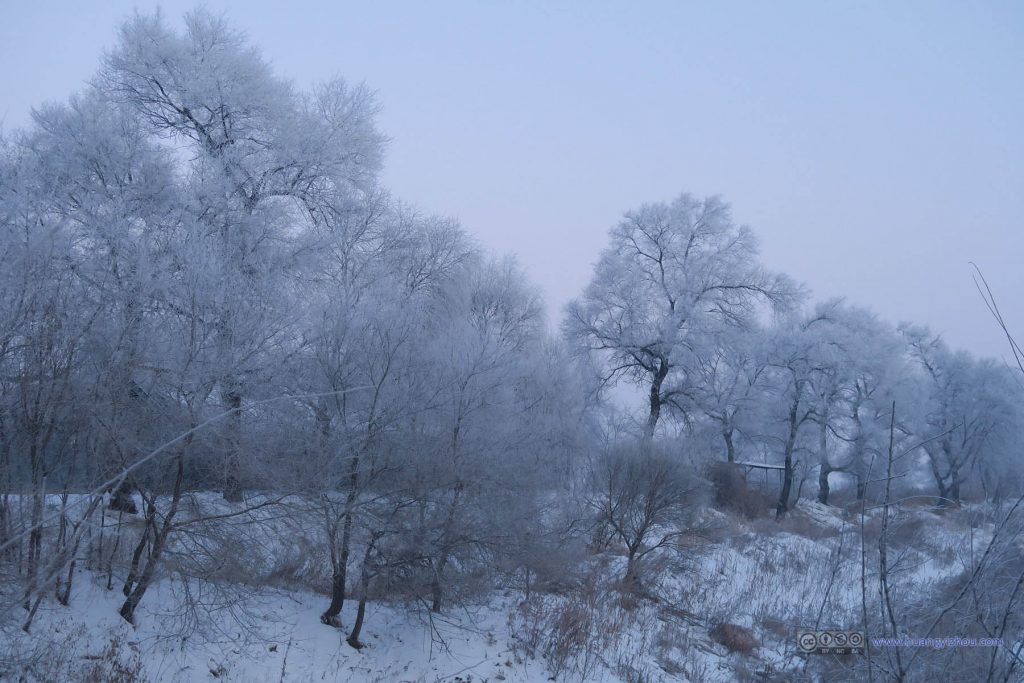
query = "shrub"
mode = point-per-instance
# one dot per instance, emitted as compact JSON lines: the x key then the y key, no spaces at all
{"x":735,"y":638}
{"x":114,"y":665}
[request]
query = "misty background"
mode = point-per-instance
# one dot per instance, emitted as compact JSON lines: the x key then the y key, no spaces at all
{"x":875,"y":148}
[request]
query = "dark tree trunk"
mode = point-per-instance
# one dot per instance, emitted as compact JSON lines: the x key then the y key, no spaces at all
{"x":64,"y":596}
{"x":5,"y":522}
{"x":140,"y":547}
{"x":436,"y":586}
{"x":730,"y":449}
{"x":655,"y":399}
{"x":340,"y":570}
{"x":860,"y":463}
{"x":160,"y":535}
{"x":940,"y":482}
{"x":954,"y":486}
{"x":823,"y":489}
{"x":232,"y":464}
{"x":630,"y":581}
{"x":364,"y":589}
{"x":787,"y":473}
{"x":787,"y":486}
{"x":826,"y":467}
{"x":113,"y":552}
{"x":339,"y":577}
{"x":6,"y":529}
{"x":35,"y":538}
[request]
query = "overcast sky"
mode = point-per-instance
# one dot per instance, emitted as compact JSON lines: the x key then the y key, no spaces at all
{"x":876,"y":148}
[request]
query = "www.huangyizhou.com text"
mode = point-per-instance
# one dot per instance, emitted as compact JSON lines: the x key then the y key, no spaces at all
{"x":936,"y":643}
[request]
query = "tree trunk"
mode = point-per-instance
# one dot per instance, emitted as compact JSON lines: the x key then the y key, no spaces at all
{"x":953,"y":493}
{"x":65,"y":554}
{"x":730,"y":449}
{"x":826,"y":467}
{"x":64,"y":596}
{"x":437,"y":585}
{"x":232,"y":464}
{"x":113,"y":552}
{"x":940,"y":482}
{"x":35,"y":538}
{"x":140,"y":547}
{"x":160,"y":535}
{"x":823,"y":489}
{"x":364,"y":585}
{"x":655,"y":399}
{"x":629,"y":581}
{"x":340,"y":570}
{"x":6,"y":527}
{"x":883,"y":555}
{"x":339,"y":577}
{"x":860,"y":463}
{"x":787,"y":475}
{"x":5,"y":521}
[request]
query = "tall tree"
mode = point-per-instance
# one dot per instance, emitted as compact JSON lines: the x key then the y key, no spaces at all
{"x":672,"y":273}
{"x":969,"y":410}
{"x":799,"y":355}
{"x":863,"y":373}
{"x":265,"y":162}
{"x":727,"y":383}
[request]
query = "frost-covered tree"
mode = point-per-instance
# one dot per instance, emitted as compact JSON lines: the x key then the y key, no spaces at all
{"x":970,"y":411}
{"x":672,"y":274}
{"x":261,"y":162}
{"x":853,"y":369}
{"x":865,"y":374}
{"x":799,"y":355}
{"x":727,"y":384}
{"x":483,"y":356}
{"x":644,"y":499}
{"x":369,"y":372}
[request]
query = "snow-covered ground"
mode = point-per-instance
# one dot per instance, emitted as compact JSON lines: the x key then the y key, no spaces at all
{"x":767,"y":577}
{"x":279,"y":637}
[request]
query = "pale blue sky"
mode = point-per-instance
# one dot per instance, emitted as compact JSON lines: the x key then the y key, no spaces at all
{"x":874,"y":147}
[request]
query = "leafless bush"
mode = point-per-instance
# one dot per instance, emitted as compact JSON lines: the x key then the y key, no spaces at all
{"x":735,"y":638}
{"x":43,"y":657}
{"x":645,"y":499}
{"x":114,"y":665}
{"x":57,"y":656}
{"x":570,"y":633}
{"x":629,"y":672}
{"x":304,"y":564}
{"x":570,"y":642}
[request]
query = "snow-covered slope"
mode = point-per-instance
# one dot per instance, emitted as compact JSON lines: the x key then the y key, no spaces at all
{"x":760,"y":577}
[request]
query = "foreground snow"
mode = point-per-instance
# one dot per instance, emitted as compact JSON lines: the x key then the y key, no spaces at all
{"x":280,"y":638}
{"x":768,"y":580}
